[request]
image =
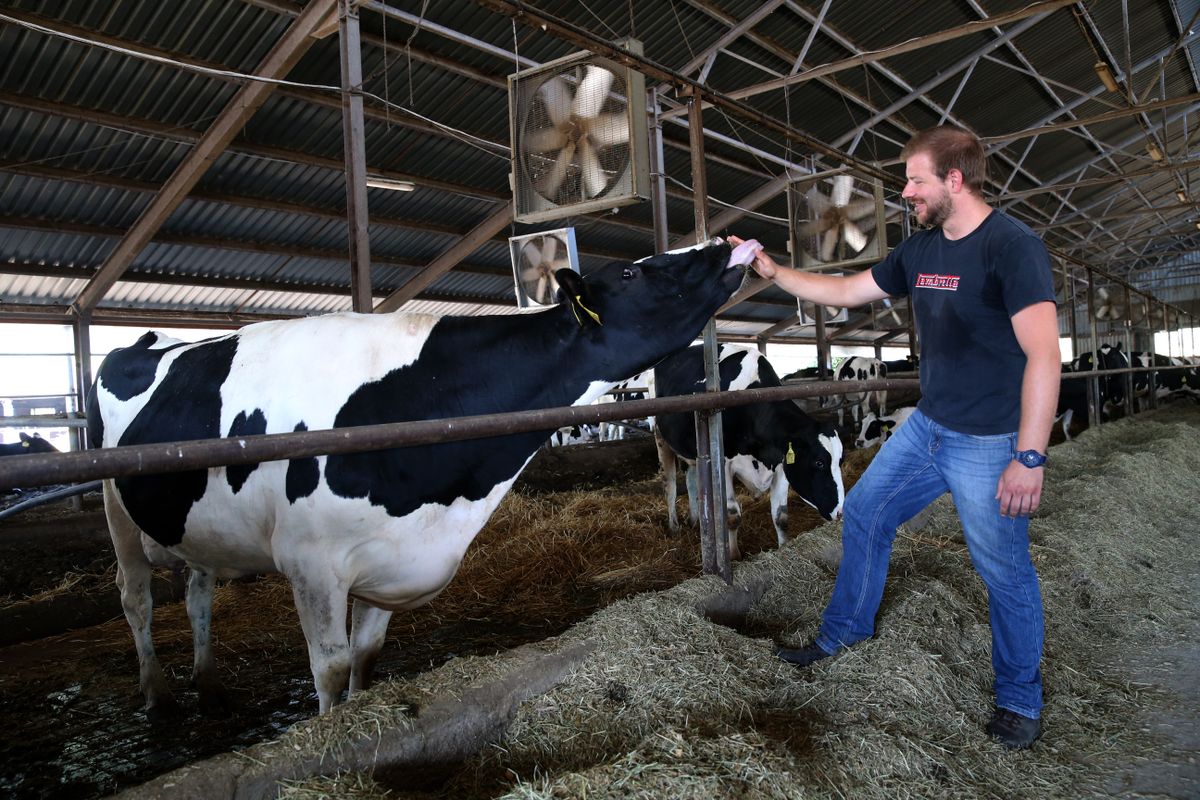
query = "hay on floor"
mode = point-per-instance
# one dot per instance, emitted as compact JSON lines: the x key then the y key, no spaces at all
{"x":673,"y":705}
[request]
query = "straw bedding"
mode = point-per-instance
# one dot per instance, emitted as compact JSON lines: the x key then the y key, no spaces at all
{"x":670,"y":704}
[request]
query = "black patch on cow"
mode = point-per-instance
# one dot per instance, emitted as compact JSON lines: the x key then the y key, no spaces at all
{"x":436,"y":385}
{"x":129,"y":371}
{"x":303,"y":474}
{"x":242,"y":425}
{"x":185,"y":405}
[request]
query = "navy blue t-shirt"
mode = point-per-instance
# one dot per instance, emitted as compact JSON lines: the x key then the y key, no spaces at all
{"x":964,"y":293}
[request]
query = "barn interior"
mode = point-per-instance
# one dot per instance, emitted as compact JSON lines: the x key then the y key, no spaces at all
{"x":207,"y":164}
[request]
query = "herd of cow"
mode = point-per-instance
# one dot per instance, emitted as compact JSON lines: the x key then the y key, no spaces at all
{"x":1182,"y":379}
{"x":377,"y":532}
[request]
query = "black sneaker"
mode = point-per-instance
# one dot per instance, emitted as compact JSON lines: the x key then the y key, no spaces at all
{"x":1013,"y":730}
{"x":803,"y":656}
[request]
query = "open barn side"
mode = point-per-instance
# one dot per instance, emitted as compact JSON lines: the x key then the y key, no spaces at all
{"x":668,"y":702}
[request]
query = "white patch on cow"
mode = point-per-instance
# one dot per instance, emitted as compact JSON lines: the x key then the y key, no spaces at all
{"x":833,"y":445}
{"x":678,"y":250}
{"x":355,"y":349}
{"x":753,"y":474}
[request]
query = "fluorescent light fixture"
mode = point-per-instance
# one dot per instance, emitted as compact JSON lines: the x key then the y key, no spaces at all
{"x":1198,"y":225}
{"x":1151,"y":148}
{"x":388,"y":183}
{"x":1182,"y":195}
{"x":1106,"y":76}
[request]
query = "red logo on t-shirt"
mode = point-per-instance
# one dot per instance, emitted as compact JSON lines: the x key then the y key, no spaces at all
{"x":934,"y":281}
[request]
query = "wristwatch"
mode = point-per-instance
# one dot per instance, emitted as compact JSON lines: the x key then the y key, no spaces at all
{"x":1030,"y":458}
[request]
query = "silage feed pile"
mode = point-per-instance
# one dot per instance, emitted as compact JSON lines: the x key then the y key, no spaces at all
{"x":669,"y":704}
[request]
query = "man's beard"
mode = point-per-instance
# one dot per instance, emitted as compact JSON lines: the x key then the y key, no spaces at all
{"x":938,"y":211}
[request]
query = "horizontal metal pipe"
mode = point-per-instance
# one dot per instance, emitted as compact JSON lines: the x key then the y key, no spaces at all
{"x":145,"y":459}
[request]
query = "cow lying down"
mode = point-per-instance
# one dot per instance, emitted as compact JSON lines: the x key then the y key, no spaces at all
{"x":387,"y":529}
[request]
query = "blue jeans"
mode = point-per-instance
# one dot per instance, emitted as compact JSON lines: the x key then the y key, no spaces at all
{"x":919,"y":463}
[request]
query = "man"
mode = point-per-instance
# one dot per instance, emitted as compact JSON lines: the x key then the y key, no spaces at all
{"x":981,"y":287}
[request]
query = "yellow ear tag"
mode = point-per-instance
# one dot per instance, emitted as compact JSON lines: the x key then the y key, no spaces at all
{"x":591,"y":313}
{"x":790,"y":458}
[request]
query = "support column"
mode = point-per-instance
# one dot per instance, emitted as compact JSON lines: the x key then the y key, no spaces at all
{"x":354,"y":144}
{"x":1093,"y":395}
{"x":658,"y":177}
{"x":710,"y":461}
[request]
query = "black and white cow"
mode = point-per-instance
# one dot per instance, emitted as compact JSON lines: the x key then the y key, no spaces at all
{"x":877,"y":429}
{"x":768,"y":446}
{"x":27,"y":444}
{"x":861,"y":368}
{"x":386,"y":528}
{"x":1112,"y":387}
{"x":639,"y":387}
{"x":1167,"y":382}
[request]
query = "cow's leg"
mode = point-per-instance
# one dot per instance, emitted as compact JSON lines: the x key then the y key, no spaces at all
{"x":733,"y":514}
{"x":779,"y":505}
{"x":213,"y":697}
{"x":321,"y":601}
{"x":367,"y":632}
{"x":133,"y":581}
{"x":881,"y":398}
{"x":1066,"y":423}
{"x":666,"y":461}
{"x":691,"y":479}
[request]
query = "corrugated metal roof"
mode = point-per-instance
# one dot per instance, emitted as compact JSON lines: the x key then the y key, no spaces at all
{"x":87,"y":135}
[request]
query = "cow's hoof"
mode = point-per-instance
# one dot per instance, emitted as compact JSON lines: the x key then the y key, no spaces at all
{"x":163,"y":709}
{"x":215,"y":701}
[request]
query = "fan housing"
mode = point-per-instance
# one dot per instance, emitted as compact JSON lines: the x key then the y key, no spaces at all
{"x":837,"y":220}
{"x":535,"y":259}
{"x":578,"y":134}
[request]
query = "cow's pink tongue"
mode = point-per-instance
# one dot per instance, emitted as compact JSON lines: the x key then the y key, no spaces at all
{"x":744,"y":253}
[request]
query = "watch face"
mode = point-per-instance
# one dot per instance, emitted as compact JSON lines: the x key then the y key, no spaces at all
{"x":1031,"y":459}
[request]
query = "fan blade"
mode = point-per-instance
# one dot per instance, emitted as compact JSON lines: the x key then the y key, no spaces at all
{"x":539,"y":294}
{"x":854,"y":237}
{"x":532,"y":255}
{"x":592,"y":92}
{"x":556,"y":95}
{"x":829,"y":243}
{"x":542,"y":140}
{"x":1102,"y":295}
{"x":553,"y":179}
{"x":607,"y":130}
{"x":594,"y":179}
{"x":813,"y":228}
{"x":549,"y":251}
{"x":860,"y":209}
{"x":842,"y":184}
{"x":818,"y":204}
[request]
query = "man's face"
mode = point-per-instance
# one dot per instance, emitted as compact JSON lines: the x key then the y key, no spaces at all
{"x":928,"y":196}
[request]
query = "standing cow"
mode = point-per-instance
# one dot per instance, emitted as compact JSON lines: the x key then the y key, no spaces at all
{"x":861,"y":368}
{"x":386,"y":528}
{"x":767,"y":445}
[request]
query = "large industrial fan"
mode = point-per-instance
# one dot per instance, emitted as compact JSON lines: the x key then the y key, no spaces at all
{"x":837,"y":220}
{"x":578,"y":127}
{"x":1107,"y":305}
{"x":535,"y":259}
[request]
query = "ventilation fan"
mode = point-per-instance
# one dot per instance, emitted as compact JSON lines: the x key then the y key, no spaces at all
{"x":535,"y":259}
{"x":832,"y":314}
{"x":578,"y":128}
{"x":837,"y":220}
{"x":1107,"y":306}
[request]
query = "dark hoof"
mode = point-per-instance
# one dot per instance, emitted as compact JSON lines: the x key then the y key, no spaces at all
{"x":164,"y":710}
{"x":215,"y":701}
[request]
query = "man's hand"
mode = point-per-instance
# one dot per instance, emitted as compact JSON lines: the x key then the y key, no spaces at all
{"x":763,"y":264}
{"x":1020,"y":490}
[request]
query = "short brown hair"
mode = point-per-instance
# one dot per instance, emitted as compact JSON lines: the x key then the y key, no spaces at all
{"x":951,"y":148}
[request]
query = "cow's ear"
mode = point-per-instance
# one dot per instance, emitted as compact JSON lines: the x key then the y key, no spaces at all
{"x":25,"y":437}
{"x":574,"y":292}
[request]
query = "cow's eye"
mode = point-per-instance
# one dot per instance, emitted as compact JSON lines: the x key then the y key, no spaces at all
{"x":627,"y":273}
{"x":819,"y":464}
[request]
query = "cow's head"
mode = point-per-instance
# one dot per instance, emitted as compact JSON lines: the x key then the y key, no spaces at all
{"x":36,"y":444}
{"x":813,"y":465}
{"x":873,"y":429}
{"x":632,"y":314}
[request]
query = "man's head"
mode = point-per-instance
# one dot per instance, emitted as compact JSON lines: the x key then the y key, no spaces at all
{"x":940,"y":163}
